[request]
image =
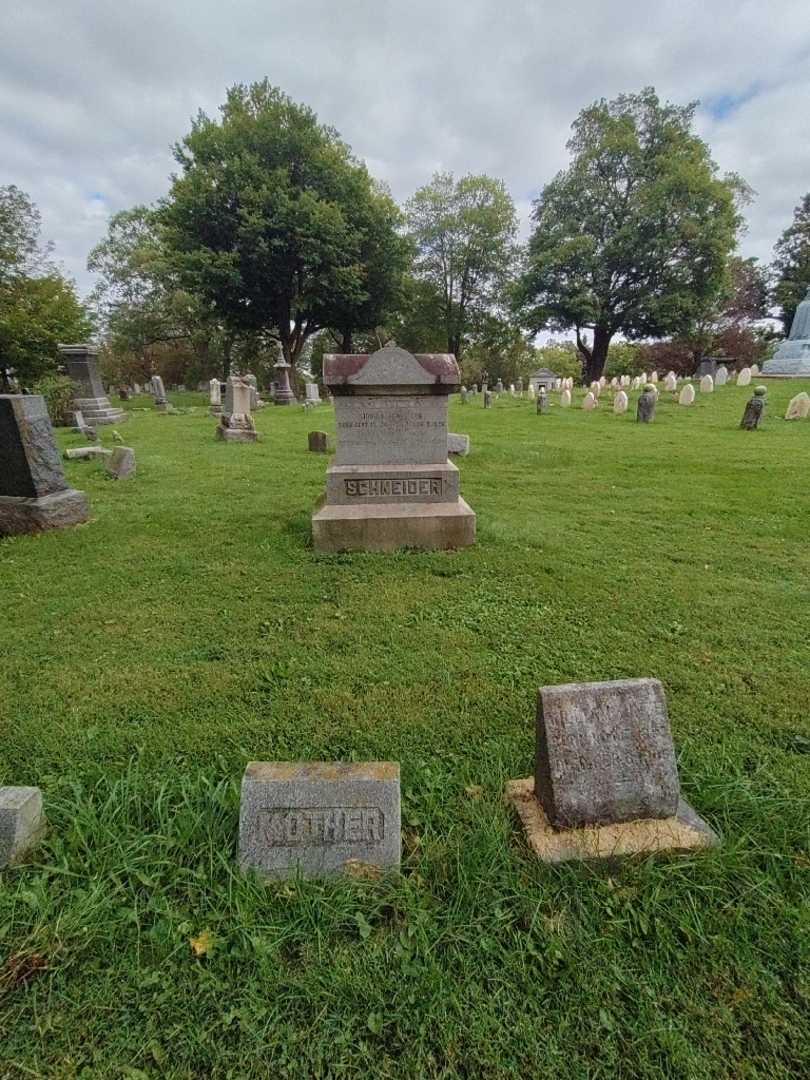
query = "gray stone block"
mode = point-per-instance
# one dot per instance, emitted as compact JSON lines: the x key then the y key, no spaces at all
{"x":605,"y":753}
{"x":22,"y":822}
{"x":121,"y":464}
{"x":82,"y":453}
{"x":458,"y":444}
{"x":317,"y":818}
{"x":318,"y":440}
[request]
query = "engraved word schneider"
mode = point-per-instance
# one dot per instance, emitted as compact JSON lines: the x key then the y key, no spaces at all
{"x":417,"y":485}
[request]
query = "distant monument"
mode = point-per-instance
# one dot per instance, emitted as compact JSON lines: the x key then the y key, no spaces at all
{"x":89,"y":398}
{"x":793,"y":355}
{"x":391,"y":485}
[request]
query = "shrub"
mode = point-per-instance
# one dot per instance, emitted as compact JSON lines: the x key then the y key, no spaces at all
{"x":58,"y":392}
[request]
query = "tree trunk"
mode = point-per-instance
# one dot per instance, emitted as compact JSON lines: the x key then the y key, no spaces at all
{"x":596,"y":357}
{"x":346,"y":343}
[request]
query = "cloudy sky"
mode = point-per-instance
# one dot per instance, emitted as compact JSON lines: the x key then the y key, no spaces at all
{"x":93,"y":94}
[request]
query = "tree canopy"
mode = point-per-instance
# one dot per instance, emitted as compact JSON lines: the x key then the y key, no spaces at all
{"x":791,"y":264}
{"x":275,"y":225}
{"x":464,"y":234}
{"x":635,"y":235}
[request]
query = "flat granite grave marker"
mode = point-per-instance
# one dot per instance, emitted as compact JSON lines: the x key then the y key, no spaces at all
{"x":390,"y":484}
{"x":34,"y":493}
{"x":606,"y":778}
{"x":89,"y":397}
{"x":319,"y":817}
{"x":22,"y":822}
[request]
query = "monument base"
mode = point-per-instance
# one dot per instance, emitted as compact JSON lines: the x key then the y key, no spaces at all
{"x":685,"y":831}
{"x":215,"y":410}
{"x":98,"y":410}
{"x":236,"y":434}
{"x":389,"y":526}
{"x":63,"y":508}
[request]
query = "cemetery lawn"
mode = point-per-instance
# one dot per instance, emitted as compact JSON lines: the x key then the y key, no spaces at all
{"x":189,"y":628}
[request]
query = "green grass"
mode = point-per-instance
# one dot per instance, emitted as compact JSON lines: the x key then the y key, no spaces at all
{"x":189,"y":628}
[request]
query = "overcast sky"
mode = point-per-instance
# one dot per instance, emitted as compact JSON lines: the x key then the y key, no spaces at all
{"x":93,"y":93}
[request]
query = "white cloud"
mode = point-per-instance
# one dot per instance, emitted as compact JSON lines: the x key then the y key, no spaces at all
{"x":92,"y":95}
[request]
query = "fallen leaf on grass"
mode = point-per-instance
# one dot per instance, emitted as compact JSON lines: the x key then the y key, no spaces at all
{"x":202,"y":944}
{"x":20,"y":968}
{"x":474,"y":791}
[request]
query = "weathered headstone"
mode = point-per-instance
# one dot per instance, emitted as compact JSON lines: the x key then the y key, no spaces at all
{"x":671,"y":382}
{"x":236,"y":423}
{"x":487,"y":399}
{"x":589,"y":401}
{"x":214,"y":397}
{"x":253,"y":383}
{"x":721,"y":377}
{"x":458,"y":444}
{"x":755,"y":369}
{"x":620,"y":403}
{"x":565,"y":398}
{"x":315,"y":818}
{"x":89,"y":397}
{"x":499,"y":386}
{"x":707,"y":366}
{"x":463,"y":395}
{"x":707,"y":385}
{"x":22,"y":822}
{"x":687,"y":395}
{"x":34,"y":493}
{"x":645,"y":409}
{"x":542,"y":401}
{"x":282,"y":393}
{"x":744,"y":377}
{"x":606,"y":778}
{"x":653,"y":377}
{"x":159,"y":394}
{"x":754,"y":410}
{"x":390,"y":484}
{"x":596,"y":388}
{"x":798,"y":406}
{"x":318,"y":442}
{"x":121,"y":464}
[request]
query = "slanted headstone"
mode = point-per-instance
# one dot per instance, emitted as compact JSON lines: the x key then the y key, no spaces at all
{"x":318,"y":442}
{"x":236,"y":423}
{"x":314,"y":818}
{"x":645,"y":409}
{"x":121,"y":464}
{"x":606,"y":778}
{"x":798,"y":406}
{"x":565,"y":398}
{"x":214,"y":397}
{"x":22,"y":822}
{"x":687,"y":395}
{"x":159,"y":394}
{"x":744,"y":377}
{"x":707,"y":385}
{"x":721,"y":377}
{"x":34,"y":493}
{"x":390,"y":484}
{"x":89,"y":396}
{"x":589,"y":401}
{"x":620,"y":403}
{"x":458,"y":444}
{"x":754,"y":409}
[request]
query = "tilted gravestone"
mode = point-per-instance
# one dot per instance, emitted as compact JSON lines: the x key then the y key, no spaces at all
{"x":22,"y":822}
{"x":606,"y":778}
{"x":314,"y":818}
{"x":390,"y":484}
{"x":159,"y":394}
{"x":34,"y":493}
{"x":121,"y":463}
{"x":89,"y":397}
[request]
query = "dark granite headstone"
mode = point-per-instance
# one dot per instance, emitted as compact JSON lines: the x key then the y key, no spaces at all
{"x":645,"y":410}
{"x":34,"y":493}
{"x":708,"y":366}
{"x":754,"y":410}
{"x":605,"y":753}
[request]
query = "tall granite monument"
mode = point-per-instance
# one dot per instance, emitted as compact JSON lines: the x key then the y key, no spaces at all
{"x":390,"y":484}
{"x":793,"y":355}
{"x":34,"y":493}
{"x":90,"y":399}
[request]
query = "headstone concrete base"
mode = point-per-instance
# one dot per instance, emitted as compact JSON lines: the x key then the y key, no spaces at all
{"x":390,"y":526}
{"x":684,"y":831}
{"x":227,"y":434}
{"x":98,"y":410}
{"x":56,"y":511}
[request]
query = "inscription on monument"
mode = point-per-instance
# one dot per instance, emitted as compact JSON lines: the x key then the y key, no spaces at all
{"x":416,"y":485}
{"x":312,"y":826}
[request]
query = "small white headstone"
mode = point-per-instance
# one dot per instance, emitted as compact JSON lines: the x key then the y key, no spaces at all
{"x":687,"y":395}
{"x":755,"y":369}
{"x":589,"y":402}
{"x":565,"y":398}
{"x":596,"y":389}
{"x":653,"y":377}
{"x":721,"y":376}
{"x":744,"y":378}
{"x":620,"y":402}
{"x":671,"y":382}
{"x":707,"y":385}
{"x":798,"y":407}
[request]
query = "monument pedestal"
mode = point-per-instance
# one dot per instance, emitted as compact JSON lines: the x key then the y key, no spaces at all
{"x":389,"y":526}
{"x":21,"y":515}
{"x":98,"y":410}
{"x":230,"y":434}
{"x":90,"y":399}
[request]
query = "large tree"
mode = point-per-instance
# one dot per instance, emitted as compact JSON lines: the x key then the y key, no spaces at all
{"x":634,"y":236}
{"x":464,"y":235}
{"x":791,"y":264}
{"x":39,"y":307}
{"x":276,"y":226}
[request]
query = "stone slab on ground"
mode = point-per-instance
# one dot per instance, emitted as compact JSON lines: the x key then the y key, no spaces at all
{"x":57,"y":511}
{"x":605,"y":753}
{"x":391,"y":526}
{"x":22,"y":822}
{"x":314,"y":818}
{"x":682,"y":831}
{"x":83,"y":453}
{"x":458,"y":444}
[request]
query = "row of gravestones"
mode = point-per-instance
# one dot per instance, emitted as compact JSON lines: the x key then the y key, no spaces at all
{"x":605,"y":784}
